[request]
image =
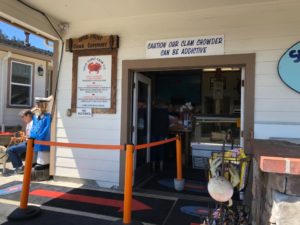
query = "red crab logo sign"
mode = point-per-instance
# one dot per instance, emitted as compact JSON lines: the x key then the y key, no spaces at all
{"x":94,"y":67}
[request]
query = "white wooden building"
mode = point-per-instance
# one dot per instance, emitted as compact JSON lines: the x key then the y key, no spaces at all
{"x":258,"y":30}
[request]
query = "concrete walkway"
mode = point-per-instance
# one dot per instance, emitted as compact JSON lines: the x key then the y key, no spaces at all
{"x":51,"y":216}
{"x":8,"y":206}
{"x":57,"y":214}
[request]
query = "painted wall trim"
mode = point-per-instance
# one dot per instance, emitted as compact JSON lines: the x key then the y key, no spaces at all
{"x":25,"y":53}
{"x":56,"y":55}
{"x":143,"y":65}
{"x":277,"y":123}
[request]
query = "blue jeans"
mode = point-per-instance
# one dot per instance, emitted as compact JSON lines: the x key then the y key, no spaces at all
{"x":15,"y":152}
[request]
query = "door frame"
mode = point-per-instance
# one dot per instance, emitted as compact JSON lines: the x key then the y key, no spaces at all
{"x":143,"y":65}
{"x":138,"y":77}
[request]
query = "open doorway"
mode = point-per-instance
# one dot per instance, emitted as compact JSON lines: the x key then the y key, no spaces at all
{"x":203,"y":106}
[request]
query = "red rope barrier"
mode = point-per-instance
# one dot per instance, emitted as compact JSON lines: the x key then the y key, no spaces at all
{"x":103,"y":147}
{"x":152,"y":144}
{"x":77,"y":145}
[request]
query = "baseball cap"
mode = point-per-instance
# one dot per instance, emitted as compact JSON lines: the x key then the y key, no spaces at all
{"x":25,"y":112}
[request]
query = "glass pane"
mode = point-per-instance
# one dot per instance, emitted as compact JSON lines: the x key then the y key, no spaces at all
{"x":21,"y":73}
{"x":142,"y":122}
{"x":20,"y":95}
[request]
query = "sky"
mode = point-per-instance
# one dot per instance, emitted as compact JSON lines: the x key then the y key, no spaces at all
{"x":12,"y":31}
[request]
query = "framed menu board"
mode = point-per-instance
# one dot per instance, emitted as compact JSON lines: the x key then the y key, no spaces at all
{"x":94,"y":80}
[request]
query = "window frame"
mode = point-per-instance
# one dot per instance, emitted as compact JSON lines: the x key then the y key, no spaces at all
{"x":10,"y":83}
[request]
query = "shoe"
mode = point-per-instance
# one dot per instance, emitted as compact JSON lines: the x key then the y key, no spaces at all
{"x":41,"y":167}
{"x":19,"y":170}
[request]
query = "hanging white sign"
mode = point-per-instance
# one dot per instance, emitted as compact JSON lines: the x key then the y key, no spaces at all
{"x":185,"y":47}
{"x":94,"y":81}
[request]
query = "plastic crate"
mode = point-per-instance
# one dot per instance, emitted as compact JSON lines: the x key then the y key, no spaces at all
{"x":239,"y":160}
{"x":201,"y":152}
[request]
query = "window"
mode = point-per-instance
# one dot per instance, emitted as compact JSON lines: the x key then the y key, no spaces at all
{"x":21,"y":84}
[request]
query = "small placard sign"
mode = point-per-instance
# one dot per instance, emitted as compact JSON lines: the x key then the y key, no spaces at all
{"x":92,"y":41}
{"x":84,"y":112}
{"x":185,"y":47}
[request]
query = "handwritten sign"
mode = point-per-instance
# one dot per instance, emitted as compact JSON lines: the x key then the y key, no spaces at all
{"x":92,"y":41}
{"x":185,"y":47}
{"x":94,"y":81}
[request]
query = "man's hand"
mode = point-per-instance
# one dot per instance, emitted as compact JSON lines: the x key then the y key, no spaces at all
{"x":13,"y":139}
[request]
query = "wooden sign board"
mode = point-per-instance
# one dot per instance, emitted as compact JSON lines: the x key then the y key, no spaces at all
{"x":94,"y":81}
{"x":92,"y":41}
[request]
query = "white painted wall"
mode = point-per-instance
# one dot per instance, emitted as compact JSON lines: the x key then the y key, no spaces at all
{"x":10,"y":115}
{"x":102,"y":166}
{"x":266,"y":29}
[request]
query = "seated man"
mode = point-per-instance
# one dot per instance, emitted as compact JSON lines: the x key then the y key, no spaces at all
{"x":14,"y":152}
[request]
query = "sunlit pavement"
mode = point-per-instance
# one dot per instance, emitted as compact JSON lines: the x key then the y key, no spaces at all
{"x":62,"y":216}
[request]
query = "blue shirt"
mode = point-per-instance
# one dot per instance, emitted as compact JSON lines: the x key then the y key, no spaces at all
{"x":41,"y":131}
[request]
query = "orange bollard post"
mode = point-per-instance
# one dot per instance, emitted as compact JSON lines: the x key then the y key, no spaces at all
{"x":128,"y":189}
{"x":27,"y":174}
{"x":179,"y":181}
{"x":178,"y":157}
{"x":128,"y":184}
{"x":25,"y":211}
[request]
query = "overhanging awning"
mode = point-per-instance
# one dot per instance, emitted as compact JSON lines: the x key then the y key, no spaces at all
{"x":17,"y":13}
